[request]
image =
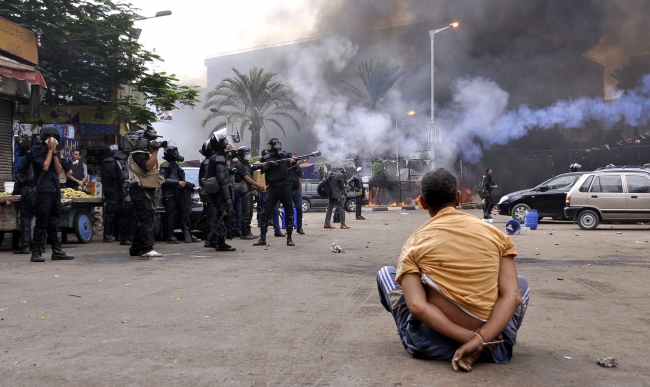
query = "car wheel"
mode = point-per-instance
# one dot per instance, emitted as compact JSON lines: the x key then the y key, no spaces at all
{"x":306,"y":206}
{"x":351,"y":205}
{"x":519,"y":212}
{"x":588,"y":220}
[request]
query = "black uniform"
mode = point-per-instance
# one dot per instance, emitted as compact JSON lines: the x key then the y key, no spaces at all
{"x":143,"y":201}
{"x":486,"y":185}
{"x":48,"y":205}
{"x":25,"y":183}
{"x":279,"y":177}
{"x":356,"y":185}
{"x":114,"y":173}
{"x":244,"y":169}
{"x":175,"y":199}
{"x":224,"y":225}
{"x":209,"y":210}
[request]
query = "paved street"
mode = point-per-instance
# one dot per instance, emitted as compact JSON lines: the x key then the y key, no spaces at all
{"x":305,"y":316}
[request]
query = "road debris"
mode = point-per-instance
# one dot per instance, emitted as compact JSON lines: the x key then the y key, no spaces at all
{"x":607,"y":362}
{"x":337,"y":249}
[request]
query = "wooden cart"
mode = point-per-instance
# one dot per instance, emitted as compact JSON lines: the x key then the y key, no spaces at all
{"x":76,"y":217}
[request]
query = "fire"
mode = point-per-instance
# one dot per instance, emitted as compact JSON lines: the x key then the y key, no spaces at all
{"x":466,"y":196}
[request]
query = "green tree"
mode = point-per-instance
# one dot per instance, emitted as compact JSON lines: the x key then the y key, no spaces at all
{"x":378,"y":78}
{"x":89,"y":49}
{"x":252,"y":100}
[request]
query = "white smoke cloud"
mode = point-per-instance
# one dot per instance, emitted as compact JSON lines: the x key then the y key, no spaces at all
{"x":479,"y":111}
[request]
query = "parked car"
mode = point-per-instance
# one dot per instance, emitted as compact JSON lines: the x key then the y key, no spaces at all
{"x":196,"y":217}
{"x":311,"y":199}
{"x":548,"y":198}
{"x":620,"y":195}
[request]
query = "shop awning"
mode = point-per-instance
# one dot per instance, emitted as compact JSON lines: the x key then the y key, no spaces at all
{"x":22,"y":81}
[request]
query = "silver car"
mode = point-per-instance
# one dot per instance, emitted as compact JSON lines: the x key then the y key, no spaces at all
{"x":614,"y":195}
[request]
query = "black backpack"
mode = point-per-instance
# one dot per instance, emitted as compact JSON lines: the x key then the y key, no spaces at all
{"x":324,"y":189}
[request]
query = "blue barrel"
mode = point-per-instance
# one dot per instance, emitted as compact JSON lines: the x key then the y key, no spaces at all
{"x":531,"y":219}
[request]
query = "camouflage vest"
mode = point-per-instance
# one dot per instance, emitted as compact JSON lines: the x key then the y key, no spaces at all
{"x":145,"y":179}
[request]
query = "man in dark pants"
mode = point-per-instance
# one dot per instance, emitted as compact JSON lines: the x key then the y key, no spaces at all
{"x":337,"y":197}
{"x":278,"y":177}
{"x":144,"y":176}
{"x":111,"y":174}
{"x":244,"y":173}
{"x":488,"y":185}
{"x":221,"y":198}
{"x":356,"y":185}
{"x":296,"y":186}
{"x":126,"y":220}
{"x":47,"y":166}
{"x":173,"y":195}
{"x":209,"y":210}
{"x":25,"y":183}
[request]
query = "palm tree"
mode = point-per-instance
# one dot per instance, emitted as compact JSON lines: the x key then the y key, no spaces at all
{"x":378,"y":78}
{"x":252,"y":100}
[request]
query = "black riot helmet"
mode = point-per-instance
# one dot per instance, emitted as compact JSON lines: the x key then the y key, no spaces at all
{"x":244,"y":153}
{"x":205,"y":150}
{"x":110,"y":151}
{"x":171,"y":154}
{"x":274,"y":145}
{"x":218,"y":141}
{"x":50,"y":130}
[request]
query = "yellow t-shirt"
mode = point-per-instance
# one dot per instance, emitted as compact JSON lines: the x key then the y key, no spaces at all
{"x":461,"y":255}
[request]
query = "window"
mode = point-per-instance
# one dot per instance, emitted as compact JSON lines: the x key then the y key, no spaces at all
{"x":610,"y":184}
{"x":585,"y":186}
{"x":637,"y":184}
{"x":562,"y":182}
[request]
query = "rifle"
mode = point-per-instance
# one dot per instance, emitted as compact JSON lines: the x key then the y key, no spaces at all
{"x":255,"y":167}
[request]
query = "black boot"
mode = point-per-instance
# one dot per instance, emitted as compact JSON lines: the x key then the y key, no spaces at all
{"x":289,"y":240}
{"x":210,"y":244}
{"x":124,"y":241}
{"x":173,"y":240}
{"x":25,"y":240}
{"x":37,"y":255}
{"x":108,"y":239}
{"x":223,"y":246}
{"x":300,"y":231}
{"x":58,"y":254}
{"x":262,"y":240}
{"x":108,"y":228}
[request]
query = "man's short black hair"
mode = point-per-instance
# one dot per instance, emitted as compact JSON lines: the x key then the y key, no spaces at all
{"x":439,"y":188}
{"x":487,"y":170}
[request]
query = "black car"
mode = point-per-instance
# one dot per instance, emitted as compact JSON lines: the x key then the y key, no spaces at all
{"x":311,"y":200}
{"x":197,"y":219}
{"x":547,"y":198}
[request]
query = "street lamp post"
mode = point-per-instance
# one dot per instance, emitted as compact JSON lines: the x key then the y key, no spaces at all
{"x":399,"y":174}
{"x":138,"y":31}
{"x":432,"y":34}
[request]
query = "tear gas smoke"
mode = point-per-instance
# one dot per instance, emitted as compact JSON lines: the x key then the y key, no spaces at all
{"x":478,"y":110}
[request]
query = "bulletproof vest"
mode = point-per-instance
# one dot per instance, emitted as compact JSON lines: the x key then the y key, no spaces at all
{"x":173,"y":175}
{"x":78,"y":171}
{"x":121,"y":158}
{"x":144,"y":179}
{"x":29,"y":179}
{"x":281,"y":174}
{"x":206,"y":170}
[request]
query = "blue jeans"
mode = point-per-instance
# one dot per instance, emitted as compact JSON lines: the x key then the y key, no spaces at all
{"x":422,"y":342}
{"x":297,"y":204}
{"x":275,"y":213}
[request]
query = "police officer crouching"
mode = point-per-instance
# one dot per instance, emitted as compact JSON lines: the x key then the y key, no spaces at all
{"x":47,"y":167}
{"x":279,"y":177}
{"x":176,"y":194}
{"x":144,"y":176}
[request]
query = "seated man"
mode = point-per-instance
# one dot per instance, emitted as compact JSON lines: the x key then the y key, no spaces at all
{"x":455,"y":294}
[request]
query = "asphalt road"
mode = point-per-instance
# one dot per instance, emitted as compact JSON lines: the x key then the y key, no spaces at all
{"x":305,"y":316}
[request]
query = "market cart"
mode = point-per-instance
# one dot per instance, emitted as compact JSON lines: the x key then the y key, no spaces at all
{"x":76,"y":217}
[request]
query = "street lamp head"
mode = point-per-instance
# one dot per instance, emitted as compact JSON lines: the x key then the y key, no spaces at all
{"x":454,"y":24}
{"x":163,"y":13}
{"x":411,"y":113}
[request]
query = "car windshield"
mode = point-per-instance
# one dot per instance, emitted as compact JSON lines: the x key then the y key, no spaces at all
{"x":563,"y":183}
{"x":192,"y":175}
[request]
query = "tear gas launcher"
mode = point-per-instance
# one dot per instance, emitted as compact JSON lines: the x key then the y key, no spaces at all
{"x":255,"y":167}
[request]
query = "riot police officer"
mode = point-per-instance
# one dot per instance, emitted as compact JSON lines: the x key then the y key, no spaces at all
{"x":111,"y":175}
{"x":209,"y":210}
{"x":47,"y":166}
{"x":24,"y":184}
{"x":276,"y":166}
{"x":126,"y":220}
{"x":356,"y":185}
{"x":243,"y":176}
{"x":176,"y":193}
{"x":217,"y":184}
